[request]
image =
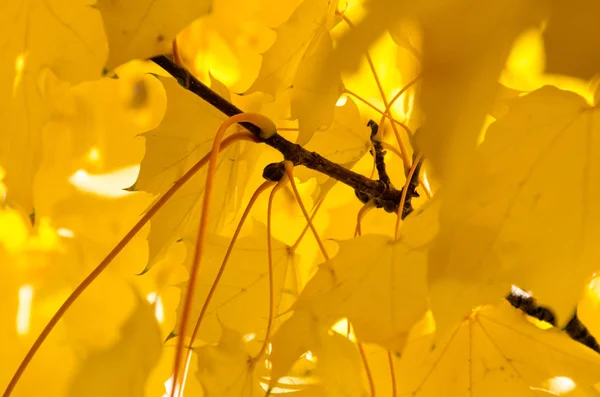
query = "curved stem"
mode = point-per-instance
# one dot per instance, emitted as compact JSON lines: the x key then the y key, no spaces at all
{"x":402,"y":91}
{"x":290,"y":174}
{"x":361,"y":214}
{"x":111,"y":255}
{"x":392,"y":373}
{"x":369,"y":104}
{"x":363,"y":356}
{"x":202,"y":231}
{"x":264,"y":186}
{"x":384,"y":98}
{"x":263,"y":348}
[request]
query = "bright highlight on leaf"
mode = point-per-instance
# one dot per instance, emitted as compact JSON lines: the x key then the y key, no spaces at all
{"x":112,"y":184}
{"x":24,"y":313}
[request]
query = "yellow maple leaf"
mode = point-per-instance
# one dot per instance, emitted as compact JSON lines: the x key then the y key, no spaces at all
{"x":309,"y":20}
{"x":315,"y":89}
{"x":144,"y":28}
{"x":227,"y":369}
{"x":338,"y":370}
{"x":241,"y":301}
{"x":497,"y":351}
{"x":375,"y":282}
{"x":465,"y":46}
{"x":64,"y":38}
{"x":122,"y":369}
{"x":527,"y":215}
{"x":184,"y":136}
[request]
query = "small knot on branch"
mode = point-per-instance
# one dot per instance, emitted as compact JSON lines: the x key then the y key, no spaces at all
{"x":274,"y":172}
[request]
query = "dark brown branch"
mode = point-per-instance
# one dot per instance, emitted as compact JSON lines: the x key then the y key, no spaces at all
{"x":574,"y":328}
{"x":368,"y":188}
{"x":379,"y":154}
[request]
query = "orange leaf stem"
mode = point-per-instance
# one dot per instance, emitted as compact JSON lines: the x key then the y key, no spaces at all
{"x":392,"y":373}
{"x":201,"y":239}
{"x":264,"y":186}
{"x":265,"y":343}
{"x":290,"y":174}
{"x":363,"y":356}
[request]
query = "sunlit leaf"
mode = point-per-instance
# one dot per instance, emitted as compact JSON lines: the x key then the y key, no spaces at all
{"x":241,"y":301}
{"x":143,"y":28}
{"x":175,"y":146}
{"x":227,"y":369}
{"x":496,"y":351}
{"x":40,"y":40}
{"x":311,"y":19}
{"x":374,"y":281}
{"x":122,"y":369}
{"x":315,"y":90}
{"x":527,"y":215}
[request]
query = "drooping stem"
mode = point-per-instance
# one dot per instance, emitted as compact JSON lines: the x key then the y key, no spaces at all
{"x":264,"y":186}
{"x":363,"y":356}
{"x":202,"y":232}
{"x":294,"y":247}
{"x":392,"y":373}
{"x":290,"y":175}
{"x":265,"y":344}
{"x":388,"y":111}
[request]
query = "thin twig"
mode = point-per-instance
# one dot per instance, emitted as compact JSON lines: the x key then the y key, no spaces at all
{"x":292,"y":152}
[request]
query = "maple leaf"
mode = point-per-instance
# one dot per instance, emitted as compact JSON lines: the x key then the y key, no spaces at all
{"x":122,"y":369}
{"x":374,"y":281}
{"x":527,"y":215}
{"x":111,"y":112}
{"x":338,"y":370}
{"x":141,"y":29}
{"x":309,"y":20}
{"x":315,"y":89}
{"x":227,"y":369}
{"x":184,"y":136}
{"x":465,"y":46}
{"x":241,"y":301}
{"x":296,"y":58}
{"x":64,"y":38}
{"x":569,"y":38}
{"x":95,"y":224}
{"x":497,"y":351}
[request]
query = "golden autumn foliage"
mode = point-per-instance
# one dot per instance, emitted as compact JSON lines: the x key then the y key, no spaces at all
{"x":228,"y":285}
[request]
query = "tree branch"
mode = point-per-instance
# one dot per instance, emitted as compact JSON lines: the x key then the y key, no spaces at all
{"x":381,"y":191}
{"x":363,"y":186}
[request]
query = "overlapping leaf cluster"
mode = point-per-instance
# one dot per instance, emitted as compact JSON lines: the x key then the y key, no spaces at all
{"x":419,"y":312}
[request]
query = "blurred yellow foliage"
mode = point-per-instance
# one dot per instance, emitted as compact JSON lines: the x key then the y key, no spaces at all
{"x":501,"y":98}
